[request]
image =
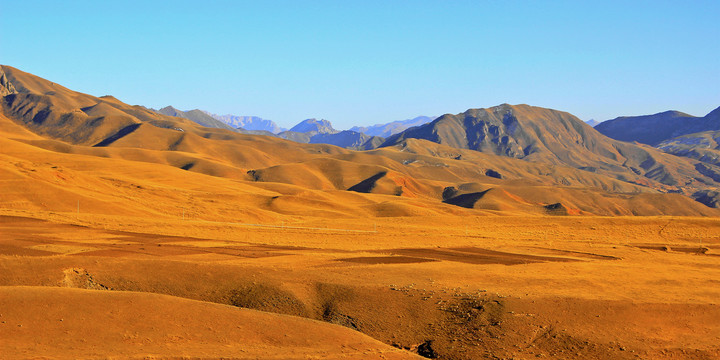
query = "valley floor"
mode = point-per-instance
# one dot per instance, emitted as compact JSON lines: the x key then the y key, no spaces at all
{"x":454,"y":287}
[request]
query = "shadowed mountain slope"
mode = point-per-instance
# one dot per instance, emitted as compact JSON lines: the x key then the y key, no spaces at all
{"x":703,"y":146}
{"x":656,"y":128}
{"x":679,"y":134}
{"x":550,"y":136}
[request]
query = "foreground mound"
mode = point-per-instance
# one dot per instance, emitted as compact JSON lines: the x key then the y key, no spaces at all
{"x":72,"y":323}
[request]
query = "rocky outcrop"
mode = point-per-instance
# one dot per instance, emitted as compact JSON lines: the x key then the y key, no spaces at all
{"x":321,"y":126}
{"x":6,"y":87}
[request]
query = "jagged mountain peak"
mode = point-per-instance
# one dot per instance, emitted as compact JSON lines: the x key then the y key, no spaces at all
{"x":321,"y":126}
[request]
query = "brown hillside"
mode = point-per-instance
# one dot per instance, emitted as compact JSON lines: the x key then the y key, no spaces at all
{"x":266,"y":176}
{"x":554,"y":137}
{"x":47,"y":322}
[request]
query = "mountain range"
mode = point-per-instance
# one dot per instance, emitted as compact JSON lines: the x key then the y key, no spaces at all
{"x":249,"y":122}
{"x":392,"y":128}
{"x":309,"y":131}
{"x":507,"y":158}
{"x":549,"y":136}
{"x":313,"y":131}
{"x":653,"y":129}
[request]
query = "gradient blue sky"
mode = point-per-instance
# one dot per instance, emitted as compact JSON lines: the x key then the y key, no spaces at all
{"x":367,"y":62}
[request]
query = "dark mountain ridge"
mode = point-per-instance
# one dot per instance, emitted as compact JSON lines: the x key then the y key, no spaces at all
{"x":656,"y":128}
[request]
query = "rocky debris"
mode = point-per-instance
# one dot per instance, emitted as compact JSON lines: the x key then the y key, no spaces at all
{"x":81,"y":279}
{"x":425,"y":350}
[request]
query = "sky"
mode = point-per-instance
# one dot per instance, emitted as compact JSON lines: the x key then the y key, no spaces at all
{"x":368,"y":62}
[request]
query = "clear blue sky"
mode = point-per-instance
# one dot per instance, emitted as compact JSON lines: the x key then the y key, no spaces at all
{"x":366,"y":62}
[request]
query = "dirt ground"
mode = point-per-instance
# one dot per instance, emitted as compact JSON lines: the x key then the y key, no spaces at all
{"x":496,"y":287}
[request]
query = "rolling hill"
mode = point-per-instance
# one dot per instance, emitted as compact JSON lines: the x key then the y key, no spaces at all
{"x":59,"y":145}
{"x":169,"y":326}
{"x":123,"y":223}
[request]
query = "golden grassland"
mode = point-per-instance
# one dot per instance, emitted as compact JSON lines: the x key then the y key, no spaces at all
{"x":564,"y":287}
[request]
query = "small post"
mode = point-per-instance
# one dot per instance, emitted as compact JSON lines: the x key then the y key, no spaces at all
{"x":78,"y":207}
{"x":282,"y":224}
{"x":700,"y":248}
{"x":183,"y":214}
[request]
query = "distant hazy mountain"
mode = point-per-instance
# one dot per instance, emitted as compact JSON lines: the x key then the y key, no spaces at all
{"x":249,"y":122}
{"x":197,"y":116}
{"x":306,"y":129}
{"x":592,"y":122}
{"x":295,"y":136}
{"x":313,"y":125}
{"x":653,"y":129}
{"x":348,"y":139}
{"x":313,"y":131}
{"x":392,"y":128}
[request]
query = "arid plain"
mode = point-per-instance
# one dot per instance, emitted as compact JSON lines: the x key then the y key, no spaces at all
{"x":129,"y":234}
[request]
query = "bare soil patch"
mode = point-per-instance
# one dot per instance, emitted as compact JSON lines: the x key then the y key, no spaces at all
{"x":473,"y":255}
{"x":386,"y":260}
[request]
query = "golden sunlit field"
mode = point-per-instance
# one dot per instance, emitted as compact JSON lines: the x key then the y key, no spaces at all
{"x":457,"y":287}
